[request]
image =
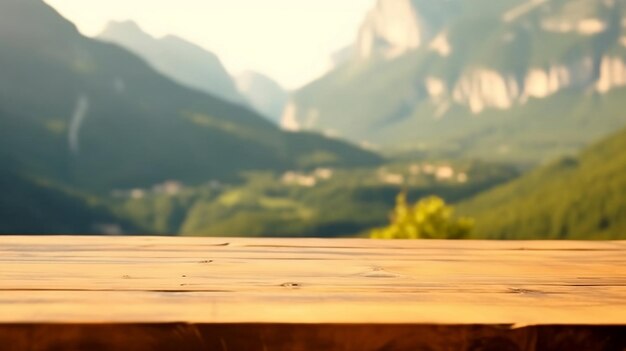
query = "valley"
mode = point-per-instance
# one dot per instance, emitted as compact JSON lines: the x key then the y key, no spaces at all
{"x":512,"y":113}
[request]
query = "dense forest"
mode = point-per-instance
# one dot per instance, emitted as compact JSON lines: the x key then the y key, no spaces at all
{"x":573,"y":198}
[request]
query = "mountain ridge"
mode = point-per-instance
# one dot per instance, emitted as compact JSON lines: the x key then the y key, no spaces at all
{"x":179,"y":59}
{"x":93,"y":115}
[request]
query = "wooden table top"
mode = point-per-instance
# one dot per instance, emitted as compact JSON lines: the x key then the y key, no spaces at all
{"x":48,"y":279}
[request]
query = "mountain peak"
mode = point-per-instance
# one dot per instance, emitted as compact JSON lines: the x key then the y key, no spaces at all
{"x":127,"y":28}
{"x":126,"y":24}
{"x":390,"y":28}
{"x":394,"y":27}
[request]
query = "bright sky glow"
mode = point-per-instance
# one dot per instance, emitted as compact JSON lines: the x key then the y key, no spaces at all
{"x":288,"y":40}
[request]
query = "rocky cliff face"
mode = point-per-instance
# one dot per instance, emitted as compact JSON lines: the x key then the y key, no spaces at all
{"x":453,"y":56}
{"x":391,"y":29}
{"x":484,"y":88}
{"x":394,"y":27}
{"x":476,"y":78}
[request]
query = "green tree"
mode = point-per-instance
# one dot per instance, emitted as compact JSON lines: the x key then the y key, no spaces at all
{"x":429,"y":218}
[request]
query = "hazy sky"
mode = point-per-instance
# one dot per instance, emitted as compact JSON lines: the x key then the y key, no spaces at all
{"x":289,"y":40}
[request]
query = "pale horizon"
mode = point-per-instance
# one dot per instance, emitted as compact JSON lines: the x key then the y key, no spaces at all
{"x":290,"y":41}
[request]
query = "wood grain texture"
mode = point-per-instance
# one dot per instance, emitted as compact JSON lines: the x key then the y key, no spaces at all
{"x":304,"y":294}
{"x":121,"y":279}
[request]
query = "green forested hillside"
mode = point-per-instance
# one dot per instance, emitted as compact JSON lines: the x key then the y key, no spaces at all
{"x":574,"y":198}
{"x":93,"y":115}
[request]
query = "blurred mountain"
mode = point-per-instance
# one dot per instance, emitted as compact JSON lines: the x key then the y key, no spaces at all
{"x":264,"y":94}
{"x":476,"y":78}
{"x":88,"y":114}
{"x":341,"y":56}
{"x":575,"y":198}
{"x":178,"y":59}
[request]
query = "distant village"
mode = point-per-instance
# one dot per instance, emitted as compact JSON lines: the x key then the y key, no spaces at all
{"x":384,"y":175}
{"x":170,"y":187}
{"x":439,"y":173}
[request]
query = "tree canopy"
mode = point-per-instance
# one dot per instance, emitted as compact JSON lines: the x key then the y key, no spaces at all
{"x":429,"y":218}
